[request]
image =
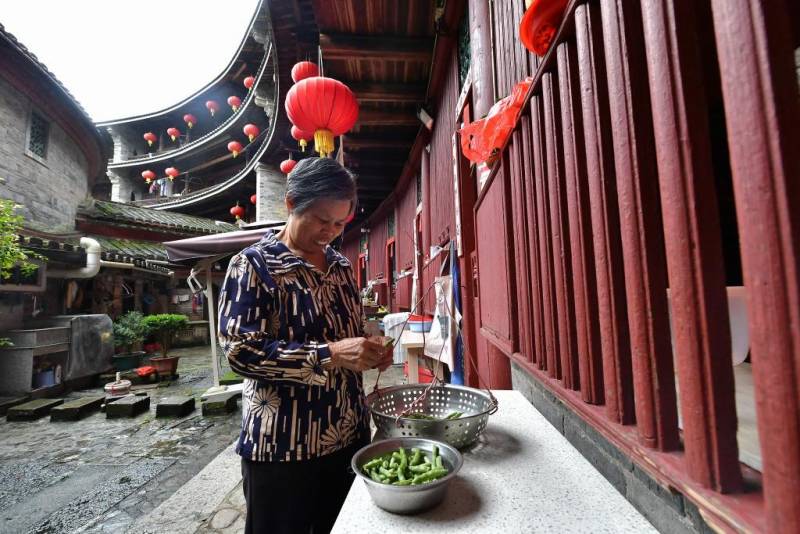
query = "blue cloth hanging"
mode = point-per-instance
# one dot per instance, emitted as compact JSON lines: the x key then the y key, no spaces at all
{"x":457,"y":376}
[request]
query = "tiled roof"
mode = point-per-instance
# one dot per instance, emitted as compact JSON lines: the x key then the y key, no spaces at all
{"x":149,"y":218}
{"x":116,"y":249}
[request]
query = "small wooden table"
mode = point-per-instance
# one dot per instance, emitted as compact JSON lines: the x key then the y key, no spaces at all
{"x":414,"y":345}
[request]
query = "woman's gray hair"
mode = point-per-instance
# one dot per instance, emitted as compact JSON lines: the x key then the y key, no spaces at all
{"x":315,"y":179}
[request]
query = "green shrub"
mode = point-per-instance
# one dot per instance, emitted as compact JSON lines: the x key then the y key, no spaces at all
{"x":164,"y":326}
{"x":129,"y":329}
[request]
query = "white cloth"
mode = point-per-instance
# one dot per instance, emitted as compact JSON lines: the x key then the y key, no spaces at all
{"x":441,"y":338}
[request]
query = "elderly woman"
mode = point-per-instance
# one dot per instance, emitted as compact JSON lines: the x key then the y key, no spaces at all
{"x":291,"y":323}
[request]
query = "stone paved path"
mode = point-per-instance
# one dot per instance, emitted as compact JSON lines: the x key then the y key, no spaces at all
{"x":98,"y":475}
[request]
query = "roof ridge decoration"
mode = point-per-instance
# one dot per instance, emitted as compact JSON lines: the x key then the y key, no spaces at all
{"x":203,"y":89}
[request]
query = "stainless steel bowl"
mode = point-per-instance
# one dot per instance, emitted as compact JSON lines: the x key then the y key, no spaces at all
{"x":407,"y":499}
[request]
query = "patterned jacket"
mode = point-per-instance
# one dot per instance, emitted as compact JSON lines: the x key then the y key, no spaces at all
{"x":277,"y":314}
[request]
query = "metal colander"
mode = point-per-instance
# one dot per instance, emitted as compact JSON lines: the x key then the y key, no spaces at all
{"x":440,"y":401}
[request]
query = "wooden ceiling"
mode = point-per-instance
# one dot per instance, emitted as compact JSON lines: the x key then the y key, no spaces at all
{"x":382,"y":49}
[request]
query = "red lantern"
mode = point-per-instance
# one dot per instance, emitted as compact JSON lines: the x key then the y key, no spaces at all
{"x":303,"y":70}
{"x":237,"y":211}
{"x":251,"y":131}
{"x":190,"y":120}
{"x":212,"y":106}
{"x":253,"y":199}
{"x":148,"y":176}
{"x":249,"y":82}
{"x":173,"y":133}
{"x":287,"y":165}
{"x":301,"y":137}
{"x":235,"y":147}
{"x":172,"y":172}
{"x":540,"y":23}
{"x":234,"y":102}
{"x":324,"y":106}
{"x":150,"y":137}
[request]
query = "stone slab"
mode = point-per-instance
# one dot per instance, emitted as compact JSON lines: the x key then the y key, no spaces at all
{"x":10,"y":402}
{"x":221,"y":403}
{"x":175,"y":407}
{"x":129,"y":406}
{"x":32,"y":410}
{"x":230,"y":378}
{"x":77,"y":409}
{"x":516,"y":478}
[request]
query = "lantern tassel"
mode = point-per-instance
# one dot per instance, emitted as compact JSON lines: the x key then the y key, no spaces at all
{"x":323,"y":142}
{"x":235,"y":153}
{"x":251,"y":137}
{"x":190,"y":125}
{"x":149,"y":143}
{"x":303,"y":145}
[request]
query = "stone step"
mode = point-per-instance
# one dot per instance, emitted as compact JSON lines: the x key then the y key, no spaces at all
{"x":10,"y":402}
{"x":221,"y":403}
{"x":32,"y":410}
{"x":76,"y":409}
{"x":129,"y":406}
{"x":175,"y":407}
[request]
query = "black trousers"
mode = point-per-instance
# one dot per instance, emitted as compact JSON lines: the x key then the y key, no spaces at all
{"x":297,"y":497}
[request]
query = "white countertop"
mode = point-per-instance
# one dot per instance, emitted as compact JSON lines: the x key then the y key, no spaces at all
{"x":521,"y":475}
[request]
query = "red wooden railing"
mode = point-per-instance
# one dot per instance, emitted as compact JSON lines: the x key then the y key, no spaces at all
{"x":608,"y":194}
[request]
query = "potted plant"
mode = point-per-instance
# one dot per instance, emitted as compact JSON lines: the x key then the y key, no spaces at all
{"x":163,"y":327}
{"x":129,"y":332}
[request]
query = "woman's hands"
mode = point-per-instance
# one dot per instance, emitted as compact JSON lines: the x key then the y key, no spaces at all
{"x":359,"y":353}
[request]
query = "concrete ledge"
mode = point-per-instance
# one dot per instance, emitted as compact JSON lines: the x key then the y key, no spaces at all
{"x":669,"y":511}
{"x":129,"y":406}
{"x":76,"y":409}
{"x":32,"y":410}
{"x":175,"y":407}
{"x":196,"y":501}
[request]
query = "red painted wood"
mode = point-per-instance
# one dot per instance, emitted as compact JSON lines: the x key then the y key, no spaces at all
{"x":590,"y":363}
{"x":350,"y":250}
{"x":404,"y":225}
{"x":549,"y":314}
{"x":763,"y":121}
{"x":560,"y":234}
{"x":442,"y":196}
{"x":640,"y":224}
{"x":376,"y":265}
{"x":480,"y":56}
{"x":602,"y":188}
{"x":495,"y":264}
{"x":694,"y":254}
{"x":528,"y":163}
{"x":519,"y":230}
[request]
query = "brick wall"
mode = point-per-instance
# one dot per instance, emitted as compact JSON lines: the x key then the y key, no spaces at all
{"x":49,"y":191}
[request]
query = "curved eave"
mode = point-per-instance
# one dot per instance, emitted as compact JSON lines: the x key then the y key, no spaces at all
{"x":200,"y":142}
{"x":211,"y":85}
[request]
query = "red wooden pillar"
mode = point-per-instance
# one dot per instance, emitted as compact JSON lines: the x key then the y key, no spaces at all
{"x":560,"y":234}
{"x":612,"y":310}
{"x":694,"y":252}
{"x":551,"y":361}
{"x":580,"y":232}
{"x":763,"y":121}
{"x":640,"y":224}
{"x":425,"y":280}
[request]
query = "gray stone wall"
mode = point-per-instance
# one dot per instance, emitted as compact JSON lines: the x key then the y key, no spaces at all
{"x":668,"y":510}
{"x":271,"y":190}
{"x":49,"y":191}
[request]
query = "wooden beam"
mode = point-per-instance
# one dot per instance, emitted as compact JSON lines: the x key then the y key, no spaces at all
{"x":388,"y":92}
{"x":359,"y":143}
{"x":376,"y":47}
{"x":368,"y":117}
